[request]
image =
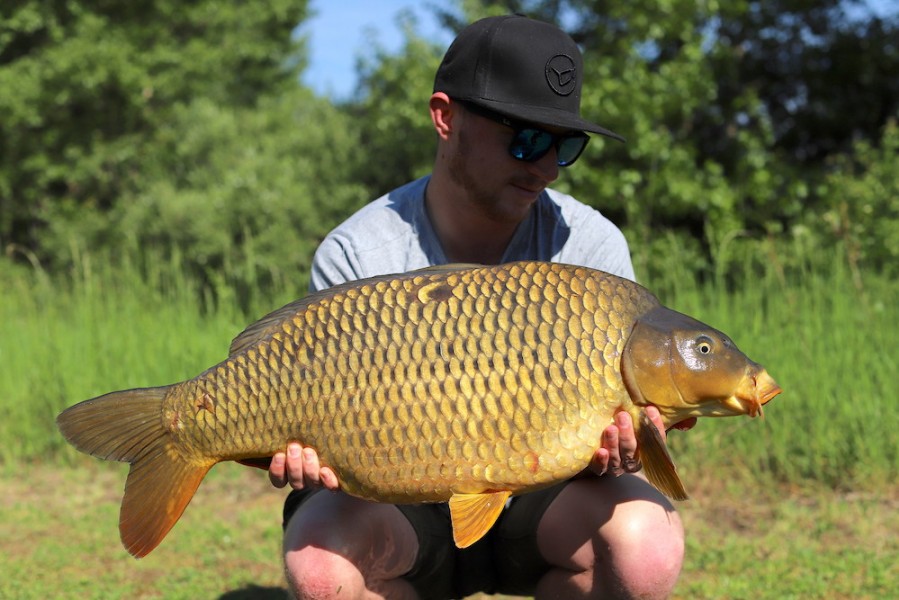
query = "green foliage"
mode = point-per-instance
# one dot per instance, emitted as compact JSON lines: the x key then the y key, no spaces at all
{"x":392,"y":117}
{"x":245,"y":195}
{"x":645,"y":78}
{"x":85,"y":85}
{"x":183,"y":129}
{"x":861,"y":195}
{"x":827,"y":338}
{"x":126,"y":322}
{"x":821,"y":69}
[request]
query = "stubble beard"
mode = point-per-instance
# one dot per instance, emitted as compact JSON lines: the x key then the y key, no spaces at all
{"x":484,"y":200}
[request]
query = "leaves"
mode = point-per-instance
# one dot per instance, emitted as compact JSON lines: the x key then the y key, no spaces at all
{"x":84,"y":86}
{"x":184,"y":128}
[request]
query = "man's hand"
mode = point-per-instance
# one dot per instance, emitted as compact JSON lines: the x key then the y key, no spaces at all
{"x":618,"y":452}
{"x":300,"y":468}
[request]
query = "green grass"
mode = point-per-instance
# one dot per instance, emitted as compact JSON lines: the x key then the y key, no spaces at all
{"x":59,"y":536}
{"x":777,"y":541}
{"x":797,"y":505}
{"x":101,"y":329}
{"x":829,"y":339}
{"x":826,"y":335}
{"x":745,"y":540}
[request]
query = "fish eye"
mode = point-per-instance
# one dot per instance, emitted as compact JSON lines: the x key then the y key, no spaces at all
{"x":704,"y":345}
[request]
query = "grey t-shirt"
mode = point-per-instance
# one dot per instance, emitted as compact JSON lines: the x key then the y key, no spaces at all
{"x":393,"y":234}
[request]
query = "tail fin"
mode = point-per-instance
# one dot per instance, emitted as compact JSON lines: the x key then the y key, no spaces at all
{"x":128,"y":427}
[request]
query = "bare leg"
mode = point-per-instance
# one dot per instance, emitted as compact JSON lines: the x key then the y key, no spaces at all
{"x":610,"y":537}
{"x":339,"y":546}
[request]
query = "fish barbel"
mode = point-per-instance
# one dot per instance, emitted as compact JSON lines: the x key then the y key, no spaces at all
{"x":460,"y":383}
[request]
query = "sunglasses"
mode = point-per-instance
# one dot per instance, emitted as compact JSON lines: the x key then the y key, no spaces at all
{"x":529,"y":143}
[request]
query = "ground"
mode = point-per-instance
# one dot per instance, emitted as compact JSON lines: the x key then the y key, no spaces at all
{"x":59,"y":534}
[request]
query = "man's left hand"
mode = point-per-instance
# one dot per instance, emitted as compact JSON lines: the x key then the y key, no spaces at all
{"x":618,"y":451}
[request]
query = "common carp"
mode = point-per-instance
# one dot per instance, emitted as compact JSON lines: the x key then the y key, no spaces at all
{"x":459,"y":383}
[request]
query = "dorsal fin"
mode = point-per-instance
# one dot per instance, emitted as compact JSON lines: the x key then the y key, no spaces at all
{"x":267,"y":325}
{"x":448,"y":268}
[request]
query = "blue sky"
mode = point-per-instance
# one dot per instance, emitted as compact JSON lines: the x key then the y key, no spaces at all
{"x":337,"y":35}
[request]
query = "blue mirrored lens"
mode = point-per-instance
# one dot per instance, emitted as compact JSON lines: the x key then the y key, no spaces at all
{"x":532,"y":144}
{"x":570,"y":148}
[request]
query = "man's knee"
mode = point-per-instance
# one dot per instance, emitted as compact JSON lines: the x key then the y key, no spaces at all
{"x":612,"y":538}
{"x":647,"y":548}
{"x":314,"y":572}
{"x":336,"y":544}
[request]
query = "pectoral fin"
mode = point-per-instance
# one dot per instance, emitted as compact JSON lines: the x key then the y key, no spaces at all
{"x":657,"y":463}
{"x":474,"y":514}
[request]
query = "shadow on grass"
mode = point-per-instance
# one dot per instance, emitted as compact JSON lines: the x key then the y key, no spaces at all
{"x":256,"y":592}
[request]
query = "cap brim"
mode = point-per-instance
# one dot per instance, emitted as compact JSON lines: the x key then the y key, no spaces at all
{"x":545,"y":116}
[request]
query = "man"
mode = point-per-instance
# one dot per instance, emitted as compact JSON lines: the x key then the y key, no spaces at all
{"x":505,"y":108}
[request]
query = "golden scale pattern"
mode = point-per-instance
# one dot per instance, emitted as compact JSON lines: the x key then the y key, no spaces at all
{"x":510,"y":374}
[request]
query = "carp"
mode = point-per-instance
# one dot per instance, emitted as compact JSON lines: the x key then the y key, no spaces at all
{"x":462,"y":384}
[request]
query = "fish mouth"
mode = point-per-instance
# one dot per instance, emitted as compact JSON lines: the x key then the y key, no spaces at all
{"x":756,"y":390}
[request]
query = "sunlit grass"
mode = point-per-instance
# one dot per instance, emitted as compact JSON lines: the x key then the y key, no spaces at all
{"x":101,"y":329}
{"x":828,"y":336}
{"x":795,"y":505}
{"x":825,"y":334}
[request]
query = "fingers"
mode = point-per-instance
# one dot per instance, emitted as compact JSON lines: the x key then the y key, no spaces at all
{"x":656,"y":417}
{"x":276,"y":472}
{"x":627,"y":445}
{"x":299,"y":467}
{"x":600,"y":462}
{"x":329,"y":479}
{"x":618,"y":452}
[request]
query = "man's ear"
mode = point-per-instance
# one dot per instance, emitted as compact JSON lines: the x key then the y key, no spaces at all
{"x":442,"y":112}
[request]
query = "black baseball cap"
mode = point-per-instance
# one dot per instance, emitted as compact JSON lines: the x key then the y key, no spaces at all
{"x":518,"y":67}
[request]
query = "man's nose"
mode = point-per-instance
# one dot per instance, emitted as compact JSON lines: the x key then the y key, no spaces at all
{"x":547,"y":167}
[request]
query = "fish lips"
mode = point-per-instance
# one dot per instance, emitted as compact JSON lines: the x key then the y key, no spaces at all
{"x":755,"y":390}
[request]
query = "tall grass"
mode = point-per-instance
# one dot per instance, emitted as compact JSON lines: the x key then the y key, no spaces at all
{"x":827,"y":335}
{"x":109,"y":324}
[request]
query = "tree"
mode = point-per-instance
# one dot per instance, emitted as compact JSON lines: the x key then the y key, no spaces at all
{"x":243,"y":195}
{"x":85,"y":86}
{"x":824,"y":72}
{"x":732,"y":111}
{"x":391,"y":111}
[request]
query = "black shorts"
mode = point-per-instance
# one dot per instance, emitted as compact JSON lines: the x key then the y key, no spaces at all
{"x":505,"y":561}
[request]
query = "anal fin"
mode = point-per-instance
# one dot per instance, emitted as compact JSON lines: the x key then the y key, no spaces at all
{"x":657,"y":463}
{"x":474,"y":514}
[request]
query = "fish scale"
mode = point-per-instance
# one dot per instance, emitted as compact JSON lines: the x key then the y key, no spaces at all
{"x":332,"y":395}
{"x":460,"y":383}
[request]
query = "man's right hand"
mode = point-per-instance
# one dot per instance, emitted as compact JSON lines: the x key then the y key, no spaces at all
{"x":300,"y":468}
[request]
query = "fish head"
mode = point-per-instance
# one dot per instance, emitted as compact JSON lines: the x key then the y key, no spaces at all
{"x":689,"y":369}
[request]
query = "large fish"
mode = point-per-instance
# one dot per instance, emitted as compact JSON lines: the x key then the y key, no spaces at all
{"x":461,"y":383}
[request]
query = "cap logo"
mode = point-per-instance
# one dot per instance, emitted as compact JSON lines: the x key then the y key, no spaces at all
{"x":561,"y":74}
